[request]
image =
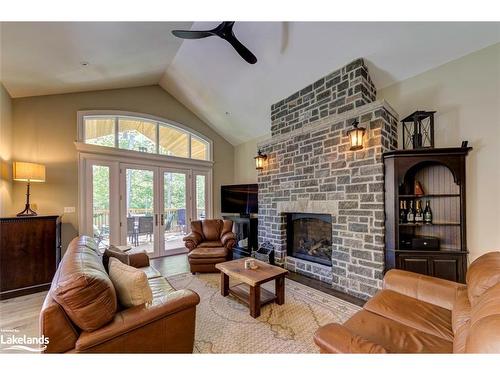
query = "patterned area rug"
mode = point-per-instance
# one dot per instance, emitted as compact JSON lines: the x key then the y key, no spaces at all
{"x":223,"y":324}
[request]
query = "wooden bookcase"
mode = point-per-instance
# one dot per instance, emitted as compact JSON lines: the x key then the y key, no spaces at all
{"x":441,"y":172}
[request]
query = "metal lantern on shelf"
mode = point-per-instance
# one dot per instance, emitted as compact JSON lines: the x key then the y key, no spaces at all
{"x":418,"y":130}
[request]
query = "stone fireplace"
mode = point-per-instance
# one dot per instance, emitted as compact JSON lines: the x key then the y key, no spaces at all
{"x":309,"y":237}
{"x":312,"y":174}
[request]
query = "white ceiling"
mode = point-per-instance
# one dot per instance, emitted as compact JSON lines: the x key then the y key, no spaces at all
{"x":45,"y":58}
{"x":209,"y":77}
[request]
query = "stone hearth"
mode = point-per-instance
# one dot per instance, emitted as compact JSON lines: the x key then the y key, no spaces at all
{"x":311,"y":170}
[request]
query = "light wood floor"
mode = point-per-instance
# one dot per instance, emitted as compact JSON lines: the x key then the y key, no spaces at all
{"x":21,"y":313}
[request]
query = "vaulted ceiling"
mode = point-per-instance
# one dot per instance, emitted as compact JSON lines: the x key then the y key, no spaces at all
{"x":41,"y":58}
{"x":207,"y":75}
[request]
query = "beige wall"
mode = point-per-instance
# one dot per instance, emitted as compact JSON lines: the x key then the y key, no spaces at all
{"x":5,"y":152}
{"x":45,"y":129}
{"x":244,"y":163}
{"x":466,"y":95}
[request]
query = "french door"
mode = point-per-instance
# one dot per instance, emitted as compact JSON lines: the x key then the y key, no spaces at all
{"x":146,"y":207}
{"x":176,"y":209}
{"x":139,"y":207}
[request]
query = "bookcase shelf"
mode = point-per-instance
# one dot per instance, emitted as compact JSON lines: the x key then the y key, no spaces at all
{"x":414,"y":196}
{"x":426,"y":224}
{"x":441,"y":174}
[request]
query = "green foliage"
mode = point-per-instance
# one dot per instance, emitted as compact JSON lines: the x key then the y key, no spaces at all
{"x":175,"y":190}
{"x":200,"y":192}
{"x":101,"y":187}
{"x":139,"y":183}
{"x":140,"y":189}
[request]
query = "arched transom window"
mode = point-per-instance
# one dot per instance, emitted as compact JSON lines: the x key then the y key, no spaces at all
{"x":143,"y":134}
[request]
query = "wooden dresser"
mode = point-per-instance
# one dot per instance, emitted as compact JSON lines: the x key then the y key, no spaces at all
{"x":30,"y":251}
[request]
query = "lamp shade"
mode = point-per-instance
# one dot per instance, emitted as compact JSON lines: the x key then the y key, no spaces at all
{"x":29,"y":172}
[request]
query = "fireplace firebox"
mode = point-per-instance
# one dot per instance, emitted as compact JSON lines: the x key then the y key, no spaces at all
{"x":309,"y":237}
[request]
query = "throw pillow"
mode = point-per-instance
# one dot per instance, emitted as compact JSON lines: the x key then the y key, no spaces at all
{"x":114,"y":253}
{"x":131,"y":284}
{"x":122,"y":248}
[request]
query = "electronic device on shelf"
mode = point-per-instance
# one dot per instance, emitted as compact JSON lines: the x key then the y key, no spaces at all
{"x":419,"y":243}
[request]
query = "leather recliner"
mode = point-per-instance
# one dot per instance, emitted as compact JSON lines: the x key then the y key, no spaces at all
{"x":210,"y":242}
{"x":81,"y":313}
{"x":415,"y":313}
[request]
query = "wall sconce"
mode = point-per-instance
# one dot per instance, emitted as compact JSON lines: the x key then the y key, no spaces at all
{"x":259,"y":160}
{"x":356,"y":136}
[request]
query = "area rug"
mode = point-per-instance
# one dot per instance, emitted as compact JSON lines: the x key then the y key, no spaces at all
{"x":223,"y":324}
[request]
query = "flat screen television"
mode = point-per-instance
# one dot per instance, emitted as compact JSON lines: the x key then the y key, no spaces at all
{"x":239,"y":199}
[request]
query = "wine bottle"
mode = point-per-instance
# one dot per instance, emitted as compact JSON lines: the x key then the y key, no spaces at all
{"x":410,"y":216}
{"x":428,"y":213}
{"x":402,"y":212}
{"x":419,"y":213}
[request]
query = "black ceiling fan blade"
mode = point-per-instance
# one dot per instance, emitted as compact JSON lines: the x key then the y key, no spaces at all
{"x":243,"y":51}
{"x":225,"y":31}
{"x":192,"y":34}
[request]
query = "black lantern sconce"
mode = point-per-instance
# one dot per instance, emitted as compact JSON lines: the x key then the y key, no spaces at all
{"x":418,"y":130}
{"x":356,"y":135}
{"x":259,"y":160}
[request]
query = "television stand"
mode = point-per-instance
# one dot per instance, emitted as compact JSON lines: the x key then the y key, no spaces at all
{"x":245,"y":228}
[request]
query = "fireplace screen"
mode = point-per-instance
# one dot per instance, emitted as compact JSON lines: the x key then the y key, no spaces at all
{"x":309,"y":237}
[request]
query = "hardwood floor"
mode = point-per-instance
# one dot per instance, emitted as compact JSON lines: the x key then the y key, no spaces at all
{"x":325,"y":288}
{"x":172,"y":265}
{"x":319,"y":285}
{"x":21,"y":313}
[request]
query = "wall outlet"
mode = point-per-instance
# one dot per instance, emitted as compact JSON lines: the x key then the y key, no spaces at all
{"x":69,"y":210}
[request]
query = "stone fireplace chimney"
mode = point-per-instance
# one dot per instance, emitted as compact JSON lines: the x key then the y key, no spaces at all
{"x":310,"y":170}
{"x":343,"y":90}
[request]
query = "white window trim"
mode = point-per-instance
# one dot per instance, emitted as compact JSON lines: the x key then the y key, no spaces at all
{"x":116,"y":113}
{"x":85,"y":157}
{"x":89,"y":152}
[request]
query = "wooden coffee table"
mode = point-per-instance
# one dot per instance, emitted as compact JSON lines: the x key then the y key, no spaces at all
{"x":249,"y":291}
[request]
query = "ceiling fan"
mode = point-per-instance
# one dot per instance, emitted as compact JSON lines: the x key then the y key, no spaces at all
{"x":224,"y":31}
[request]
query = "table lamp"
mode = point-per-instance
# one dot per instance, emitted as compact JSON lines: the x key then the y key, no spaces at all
{"x":28,"y":172}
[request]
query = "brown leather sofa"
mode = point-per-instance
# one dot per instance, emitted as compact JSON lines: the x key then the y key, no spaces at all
{"x":420,"y":314}
{"x":81,"y":313}
{"x":210,"y":242}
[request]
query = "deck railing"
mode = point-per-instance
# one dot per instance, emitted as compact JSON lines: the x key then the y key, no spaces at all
{"x":174,"y":218}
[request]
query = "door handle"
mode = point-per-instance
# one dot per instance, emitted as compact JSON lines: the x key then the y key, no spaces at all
{"x":162,"y":219}
{"x":156,"y":219}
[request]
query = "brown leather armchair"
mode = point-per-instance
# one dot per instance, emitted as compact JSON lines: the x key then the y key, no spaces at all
{"x":81,"y":314}
{"x":210,"y":242}
{"x":416,"y":313}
